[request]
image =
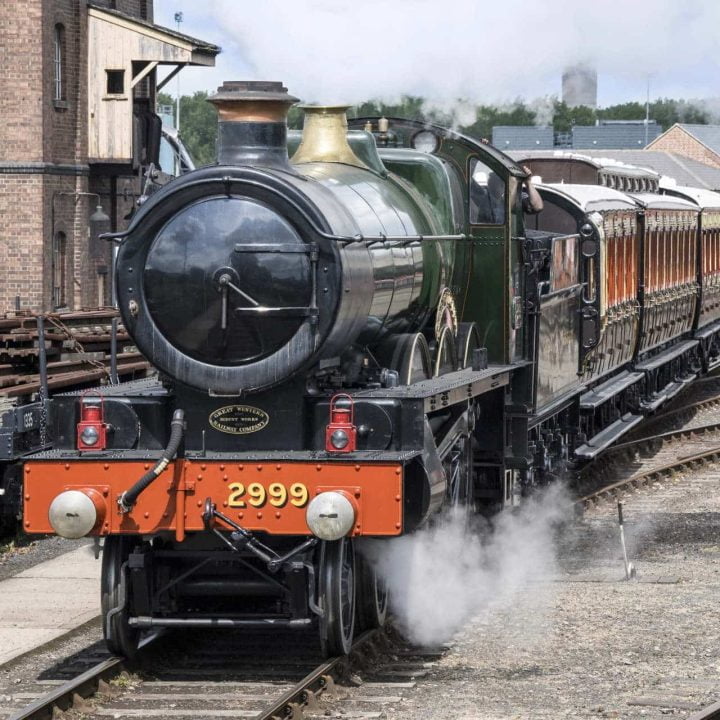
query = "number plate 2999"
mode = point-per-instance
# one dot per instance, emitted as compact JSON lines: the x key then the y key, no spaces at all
{"x":275,"y":494}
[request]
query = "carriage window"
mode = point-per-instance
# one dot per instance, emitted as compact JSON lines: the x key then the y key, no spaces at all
{"x":552,"y":218}
{"x":488,"y":195}
{"x":564,"y":262}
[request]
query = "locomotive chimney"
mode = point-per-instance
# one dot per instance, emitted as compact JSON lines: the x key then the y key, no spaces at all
{"x":252,"y":123}
{"x":324,"y":137}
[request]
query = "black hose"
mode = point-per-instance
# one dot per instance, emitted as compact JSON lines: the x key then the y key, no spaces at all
{"x":128,"y":499}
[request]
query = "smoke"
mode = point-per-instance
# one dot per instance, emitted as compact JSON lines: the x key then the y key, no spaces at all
{"x":441,"y":577}
{"x":544,"y":109}
{"x":485,"y":52}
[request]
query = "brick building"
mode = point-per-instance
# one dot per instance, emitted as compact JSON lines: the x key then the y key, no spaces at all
{"x":77,"y":131}
{"x":698,"y":142}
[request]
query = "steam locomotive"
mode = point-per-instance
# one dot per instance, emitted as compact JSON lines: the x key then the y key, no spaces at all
{"x":348,"y":342}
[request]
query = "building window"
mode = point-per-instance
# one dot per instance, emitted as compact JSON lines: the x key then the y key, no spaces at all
{"x":59,"y":269}
{"x":58,"y":62}
{"x":115,"y":82}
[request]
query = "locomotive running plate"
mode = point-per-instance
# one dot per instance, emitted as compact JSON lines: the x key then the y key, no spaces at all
{"x":238,"y":419}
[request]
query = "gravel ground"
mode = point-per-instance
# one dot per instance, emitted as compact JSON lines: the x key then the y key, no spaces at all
{"x":27,"y":551}
{"x":585,"y":643}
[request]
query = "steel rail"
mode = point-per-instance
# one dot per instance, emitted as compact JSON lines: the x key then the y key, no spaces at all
{"x":669,"y":435}
{"x":87,"y":684}
{"x":63,"y":696}
{"x":644,"y":476}
{"x":697,"y":405}
{"x":313,"y":684}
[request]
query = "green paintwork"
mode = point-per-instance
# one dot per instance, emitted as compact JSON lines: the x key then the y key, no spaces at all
{"x":395,"y":207}
{"x":431,"y":178}
{"x":482,"y":279}
{"x":482,"y":271}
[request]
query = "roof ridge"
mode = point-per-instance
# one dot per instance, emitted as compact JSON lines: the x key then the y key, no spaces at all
{"x":201,"y":44}
{"x":683,"y":166}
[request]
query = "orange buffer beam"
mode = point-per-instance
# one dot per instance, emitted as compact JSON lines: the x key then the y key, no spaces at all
{"x":270,"y":497}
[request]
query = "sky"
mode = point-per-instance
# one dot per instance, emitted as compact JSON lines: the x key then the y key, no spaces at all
{"x":332,"y":51}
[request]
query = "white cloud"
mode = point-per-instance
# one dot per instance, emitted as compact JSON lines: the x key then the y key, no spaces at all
{"x":331,"y":50}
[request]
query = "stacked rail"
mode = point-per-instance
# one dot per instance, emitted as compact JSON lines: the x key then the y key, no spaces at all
{"x":77,"y":345}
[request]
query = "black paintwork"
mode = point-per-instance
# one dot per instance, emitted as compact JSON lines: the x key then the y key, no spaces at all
{"x":215,"y":323}
{"x":179,"y":247}
{"x":253,"y":144}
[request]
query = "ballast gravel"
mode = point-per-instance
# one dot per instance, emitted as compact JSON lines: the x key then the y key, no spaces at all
{"x":585,"y":642}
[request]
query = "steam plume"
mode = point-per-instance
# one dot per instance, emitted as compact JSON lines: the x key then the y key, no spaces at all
{"x":440,"y":577}
{"x":484,"y":52}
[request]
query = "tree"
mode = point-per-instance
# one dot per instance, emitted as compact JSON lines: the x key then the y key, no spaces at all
{"x":488,"y":116}
{"x":198,"y":118}
{"x":198,"y":125}
{"x":565,"y":116}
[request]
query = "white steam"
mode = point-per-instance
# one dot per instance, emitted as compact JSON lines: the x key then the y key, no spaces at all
{"x":477,"y":50}
{"x":441,"y":577}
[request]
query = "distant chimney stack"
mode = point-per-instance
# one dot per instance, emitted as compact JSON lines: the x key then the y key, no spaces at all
{"x":579,"y":86}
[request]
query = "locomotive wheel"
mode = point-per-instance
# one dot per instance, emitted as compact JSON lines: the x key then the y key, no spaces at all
{"x":468,"y":339}
{"x":120,"y":638}
{"x":337,"y":591}
{"x":409,"y":356}
{"x":372,"y":600}
{"x":445,"y":354}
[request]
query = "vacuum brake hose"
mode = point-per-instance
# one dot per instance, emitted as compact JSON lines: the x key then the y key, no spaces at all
{"x":128,"y":499}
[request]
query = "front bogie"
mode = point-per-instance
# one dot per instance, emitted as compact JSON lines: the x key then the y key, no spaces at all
{"x":147,"y":584}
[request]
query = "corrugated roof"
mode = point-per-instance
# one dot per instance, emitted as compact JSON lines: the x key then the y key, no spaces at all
{"x":683,"y":169}
{"x":626,"y":135}
{"x":522,"y":137}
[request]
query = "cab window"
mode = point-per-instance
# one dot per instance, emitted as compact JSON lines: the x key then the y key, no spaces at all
{"x":488,"y":195}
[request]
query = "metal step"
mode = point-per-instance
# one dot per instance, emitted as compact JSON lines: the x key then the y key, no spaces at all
{"x":593,"y":447}
{"x":608,"y":390}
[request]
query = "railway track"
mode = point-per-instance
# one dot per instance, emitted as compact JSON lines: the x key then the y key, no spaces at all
{"x":649,"y":457}
{"x":220,"y":675}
